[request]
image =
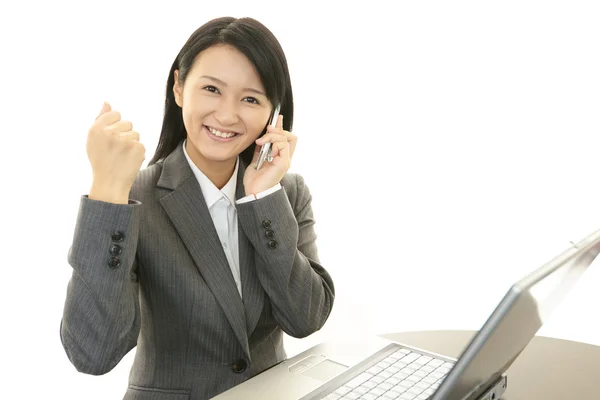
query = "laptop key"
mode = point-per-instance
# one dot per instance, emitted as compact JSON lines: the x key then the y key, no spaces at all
{"x":427,"y":368}
{"x":436,"y":374}
{"x":430,"y":380}
{"x":443,"y":370}
{"x":361,"y":390}
{"x":411,"y":357}
{"x":407,"y":396}
{"x":400,"y":364}
{"x":351,"y":396}
{"x":420,"y":373}
{"x":385,"y":374}
{"x":404,"y":384}
{"x":392,"y":380}
{"x":385,"y":386}
{"x":402,"y":375}
{"x":416,"y":390}
{"x":393,"y":370}
{"x":369,"y":384}
{"x":375,"y":370}
{"x":377,"y":391}
{"x":436,"y":362}
{"x":368,"y":396}
{"x":423,"y":360}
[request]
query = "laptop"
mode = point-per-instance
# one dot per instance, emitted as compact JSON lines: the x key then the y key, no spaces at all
{"x":379,"y":368}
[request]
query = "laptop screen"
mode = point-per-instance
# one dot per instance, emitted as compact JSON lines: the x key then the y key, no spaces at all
{"x":515,"y":321}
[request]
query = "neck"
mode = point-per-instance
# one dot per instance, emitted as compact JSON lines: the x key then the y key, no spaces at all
{"x":218,"y":172}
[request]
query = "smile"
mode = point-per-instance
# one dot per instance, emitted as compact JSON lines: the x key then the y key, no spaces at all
{"x":221,"y":134}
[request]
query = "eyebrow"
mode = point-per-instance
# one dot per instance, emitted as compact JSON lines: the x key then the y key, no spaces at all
{"x":212,"y":78}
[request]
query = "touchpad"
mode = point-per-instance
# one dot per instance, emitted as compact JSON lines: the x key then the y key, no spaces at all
{"x":325,"y":370}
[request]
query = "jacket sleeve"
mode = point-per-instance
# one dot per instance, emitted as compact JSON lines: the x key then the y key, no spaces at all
{"x":300,"y":289}
{"x":101,"y":317}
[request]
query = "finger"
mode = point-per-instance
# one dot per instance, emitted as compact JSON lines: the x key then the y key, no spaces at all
{"x":280,"y":122}
{"x":271,"y":137}
{"x":108,"y":118}
{"x":130,"y":135}
{"x":274,"y":129}
{"x":283,"y":155}
{"x":278,"y":147}
{"x":119,"y":127}
{"x":105,"y":108}
{"x":290,"y":136}
{"x":275,"y":137}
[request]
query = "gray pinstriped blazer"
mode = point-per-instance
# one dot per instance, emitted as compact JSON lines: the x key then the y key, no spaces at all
{"x":153,"y":274}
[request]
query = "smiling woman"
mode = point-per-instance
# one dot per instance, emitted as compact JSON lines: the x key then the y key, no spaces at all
{"x":199,"y":260}
{"x":224,"y":107}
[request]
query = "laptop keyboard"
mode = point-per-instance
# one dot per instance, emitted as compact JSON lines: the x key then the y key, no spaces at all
{"x":403,"y":375}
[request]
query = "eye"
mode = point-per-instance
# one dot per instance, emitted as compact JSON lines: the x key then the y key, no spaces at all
{"x":211,"y":88}
{"x":252,"y":100}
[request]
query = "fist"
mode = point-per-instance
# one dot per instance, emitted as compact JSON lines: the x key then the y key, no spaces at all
{"x":114,"y":151}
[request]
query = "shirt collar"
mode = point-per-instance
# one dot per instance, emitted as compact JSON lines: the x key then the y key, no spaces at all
{"x":211,"y":193}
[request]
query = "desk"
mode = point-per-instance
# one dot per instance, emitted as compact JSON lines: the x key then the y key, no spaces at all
{"x":549,"y":369}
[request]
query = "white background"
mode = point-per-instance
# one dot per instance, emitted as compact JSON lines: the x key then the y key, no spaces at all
{"x":451,"y":148}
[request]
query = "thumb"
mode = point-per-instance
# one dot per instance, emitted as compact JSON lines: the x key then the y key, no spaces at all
{"x":105,"y":108}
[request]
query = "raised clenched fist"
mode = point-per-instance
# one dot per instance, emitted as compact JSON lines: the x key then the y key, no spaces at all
{"x":116,"y":155}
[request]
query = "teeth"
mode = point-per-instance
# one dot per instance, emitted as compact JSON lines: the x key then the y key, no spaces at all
{"x":221,"y":134}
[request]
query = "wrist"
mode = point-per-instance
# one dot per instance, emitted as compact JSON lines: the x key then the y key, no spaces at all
{"x":109,"y":192}
{"x":254,"y":191}
{"x":261,"y":192}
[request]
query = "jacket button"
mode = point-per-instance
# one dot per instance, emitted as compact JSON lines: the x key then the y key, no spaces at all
{"x":114,"y":262}
{"x":272,"y":244}
{"x":266,"y":224}
{"x":115,"y":250}
{"x":270,"y":234}
{"x":239,"y":366}
{"x":116,"y":236}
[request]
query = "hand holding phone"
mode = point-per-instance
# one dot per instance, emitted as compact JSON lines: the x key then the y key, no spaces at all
{"x":265,"y":150}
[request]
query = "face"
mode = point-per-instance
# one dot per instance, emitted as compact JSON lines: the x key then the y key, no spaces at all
{"x":224,"y":105}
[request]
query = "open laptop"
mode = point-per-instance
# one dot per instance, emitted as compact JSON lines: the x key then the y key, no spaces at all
{"x":382,"y":369}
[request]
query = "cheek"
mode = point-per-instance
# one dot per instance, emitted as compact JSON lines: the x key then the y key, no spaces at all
{"x":257,"y":130}
{"x":192,"y":113}
{"x":256,"y":125}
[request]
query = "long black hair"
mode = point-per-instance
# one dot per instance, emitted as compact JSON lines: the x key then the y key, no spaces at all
{"x":258,"y":44}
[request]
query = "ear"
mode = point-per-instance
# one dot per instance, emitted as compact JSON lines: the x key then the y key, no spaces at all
{"x":177,"y":90}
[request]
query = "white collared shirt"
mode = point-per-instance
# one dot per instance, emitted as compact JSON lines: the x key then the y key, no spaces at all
{"x":221,"y":205}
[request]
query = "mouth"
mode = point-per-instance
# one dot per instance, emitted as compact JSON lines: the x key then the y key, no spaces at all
{"x":220,"y":135}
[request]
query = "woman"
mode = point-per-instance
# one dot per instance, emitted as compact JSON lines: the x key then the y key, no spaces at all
{"x":200,"y":260}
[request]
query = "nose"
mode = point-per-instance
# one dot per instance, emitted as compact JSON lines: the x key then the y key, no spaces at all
{"x":227,"y":112}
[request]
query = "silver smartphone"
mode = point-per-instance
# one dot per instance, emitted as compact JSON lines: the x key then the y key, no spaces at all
{"x":265,"y":150}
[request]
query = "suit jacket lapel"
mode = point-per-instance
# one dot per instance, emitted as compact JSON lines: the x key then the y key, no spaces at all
{"x":252,"y":291}
{"x":189,"y":214}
